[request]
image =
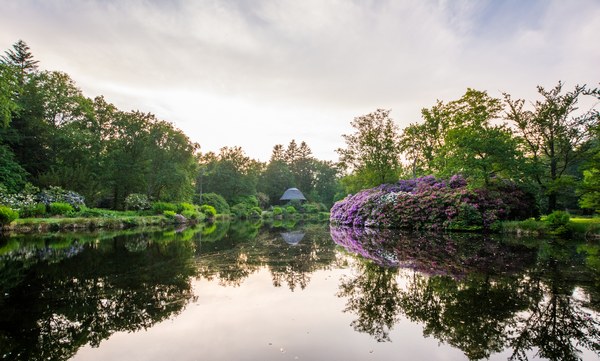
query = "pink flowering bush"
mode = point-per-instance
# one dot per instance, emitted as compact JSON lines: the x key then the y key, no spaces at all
{"x":428,"y":203}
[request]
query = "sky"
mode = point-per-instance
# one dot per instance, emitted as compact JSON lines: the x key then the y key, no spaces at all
{"x":259,"y":73}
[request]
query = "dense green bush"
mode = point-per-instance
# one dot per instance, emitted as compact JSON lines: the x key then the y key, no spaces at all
{"x":290,"y":210}
{"x":33,"y":210}
{"x":7,"y":215}
{"x":558,"y":222}
{"x":137,"y":202}
{"x":60,"y":208}
{"x":183,"y":206}
{"x":161,"y":207}
{"x":246,"y":211}
{"x":208,"y":210}
{"x":277,"y":211}
{"x":215,"y":200}
{"x":192,"y":215}
{"x":169,"y":214}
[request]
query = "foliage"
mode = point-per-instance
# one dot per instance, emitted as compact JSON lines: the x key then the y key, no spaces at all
{"x":555,"y":136}
{"x":193,"y":214}
{"x":215,"y":200}
{"x":60,"y":208}
{"x":277,"y":211}
{"x":290,"y":210}
{"x":231,"y":173}
{"x":161,"y":207}
{"x":430,"y":203}
{"x":57,"y":194}
{"x":372,"y":152}
{"x":558,"y":222}
{"x":137,"y":201}
{"x":459,"y":137}
{"x":12,"y":175}
{"x":169,"y":214}
{"x":208,"y":210}
{"x":33,"y":210}
{"x":7,"y":215}
{"x":246,"y":211}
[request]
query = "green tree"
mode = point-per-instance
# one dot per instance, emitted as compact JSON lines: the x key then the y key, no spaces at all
{"x":231,"y":173}
{"x":555,"y":136}
{"x":12,"y":175}
{"x":372,"y":152}
{"x":461,"y":137}
{"x":21,"y":58}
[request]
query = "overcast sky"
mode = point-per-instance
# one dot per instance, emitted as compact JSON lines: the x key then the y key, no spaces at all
{"x":258,"y":73}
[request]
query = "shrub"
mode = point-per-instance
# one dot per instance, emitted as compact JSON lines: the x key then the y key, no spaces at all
{"x":34,"y":210}
{"x":169,"y":214}
{"x":185,"y":207}
{"x":290,"y":210}
{"x":137,"y":202}
{"x":558,"y":222}
{"x":215,"y":200}
{"x":277,"y":211}
{"x":255,"y":212}
{"x":7,"y":215}
{"x":208,"y":211}
{"x":60,"y":208}
{"x":192,"y":214}
{"x":59,"y":195}
{"x":311,"y":208}
{"x":431,"y":203}
{"x":161,"y":207}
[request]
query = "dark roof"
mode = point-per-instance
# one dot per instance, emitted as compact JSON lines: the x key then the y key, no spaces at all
{"x":292,"y":194}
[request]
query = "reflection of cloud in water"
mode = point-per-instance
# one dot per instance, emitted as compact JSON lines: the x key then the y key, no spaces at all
{"x":292,"y":238}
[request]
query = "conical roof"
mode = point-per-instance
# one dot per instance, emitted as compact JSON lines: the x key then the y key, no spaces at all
{"x":292,"y":194}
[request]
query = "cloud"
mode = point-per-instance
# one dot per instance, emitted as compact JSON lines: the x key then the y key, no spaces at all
{"x":259,"y":73}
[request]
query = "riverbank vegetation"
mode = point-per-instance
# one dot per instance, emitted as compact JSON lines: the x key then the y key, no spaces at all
{"x":53,"y":137}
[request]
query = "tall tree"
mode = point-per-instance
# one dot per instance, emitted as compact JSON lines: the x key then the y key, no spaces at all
{"x":555,"y":135}
{"x":21,"y":58}
{"x":462,"y":136}
{"x":372,"y":152}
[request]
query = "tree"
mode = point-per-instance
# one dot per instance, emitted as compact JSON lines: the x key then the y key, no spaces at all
{"x":460,"y":137}
{"x":8,"y":89}
{"x":554,"y":135}
{"x":372,"y":152}
{"x":22,"y":59}
{"x":231,"y":173}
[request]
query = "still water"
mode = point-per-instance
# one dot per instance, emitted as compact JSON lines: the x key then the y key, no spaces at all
{"x":244,"y":291}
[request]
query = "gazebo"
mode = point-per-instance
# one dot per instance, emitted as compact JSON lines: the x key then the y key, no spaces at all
{"x":292,"y":194}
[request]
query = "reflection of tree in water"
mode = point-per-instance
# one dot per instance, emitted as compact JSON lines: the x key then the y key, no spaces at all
{"x":560,"y":323}
{"x":57,"y":307}
{"x":473,"y":303}
{"x":374,"y":296}
{"x":244,"y":251}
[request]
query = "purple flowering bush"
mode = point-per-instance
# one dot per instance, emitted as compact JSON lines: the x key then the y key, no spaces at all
{"x":428,"y":203}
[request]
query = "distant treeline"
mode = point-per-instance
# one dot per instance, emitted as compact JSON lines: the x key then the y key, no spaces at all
{"x":52,"y":135}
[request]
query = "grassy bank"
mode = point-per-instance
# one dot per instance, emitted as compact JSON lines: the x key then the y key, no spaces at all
{"x":576,"y":227}
{"x":27,"y":225}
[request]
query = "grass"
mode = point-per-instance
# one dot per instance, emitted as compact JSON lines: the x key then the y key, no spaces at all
{"x":579,"y":227}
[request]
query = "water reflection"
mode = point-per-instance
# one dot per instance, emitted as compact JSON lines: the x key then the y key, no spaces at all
{"x":240,"y":252}
{"x":59,"y":293}
{"x":475,"y":293}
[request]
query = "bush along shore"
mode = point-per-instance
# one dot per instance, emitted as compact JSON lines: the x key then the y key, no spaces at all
{"x":429,"y":203}
{"x":56,"y":209}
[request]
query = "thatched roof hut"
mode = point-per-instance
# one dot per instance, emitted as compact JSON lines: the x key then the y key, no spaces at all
{"x":292,"y":194}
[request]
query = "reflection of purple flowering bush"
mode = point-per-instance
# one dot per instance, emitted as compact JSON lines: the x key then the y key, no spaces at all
{"x":432,"y":204}
{"x":453,"y":254}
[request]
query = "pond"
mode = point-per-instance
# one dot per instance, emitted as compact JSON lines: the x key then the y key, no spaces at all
{"x":246,"y":291}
